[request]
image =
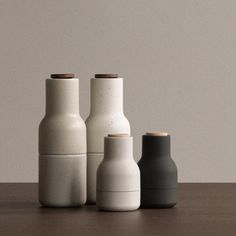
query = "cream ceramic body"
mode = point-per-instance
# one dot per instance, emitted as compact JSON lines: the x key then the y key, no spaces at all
{"x":62,"y":180}
{"x":62,"y":146}
{"x":118,"y":176}
{"x":106,"y":116}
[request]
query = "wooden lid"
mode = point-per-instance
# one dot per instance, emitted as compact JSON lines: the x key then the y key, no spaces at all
{"x":118,"y":135}
{"x":106,"y":76}
{"x":62,"y":76}
{"x":157,"y":134}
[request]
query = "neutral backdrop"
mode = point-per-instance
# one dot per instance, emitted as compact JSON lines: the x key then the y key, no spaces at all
{"x":177,"y":58}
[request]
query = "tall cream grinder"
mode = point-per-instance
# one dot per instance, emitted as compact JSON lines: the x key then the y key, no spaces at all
{"x":62,"y":145}
{"x":106,"y":116}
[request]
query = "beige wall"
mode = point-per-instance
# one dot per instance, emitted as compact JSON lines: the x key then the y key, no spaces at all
{"x":178,"y":59}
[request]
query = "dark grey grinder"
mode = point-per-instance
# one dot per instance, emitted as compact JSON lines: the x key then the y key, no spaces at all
{"x":158,"y":172}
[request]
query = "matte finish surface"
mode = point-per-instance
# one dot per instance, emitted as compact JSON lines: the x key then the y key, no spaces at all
{"x":158,"y":173}
{"x":106,"y":112}
{"x":106,"y":117}
{"x":62,"y":180}
{"x":118,"y":176}
{"x":93,"y":161}
{"x":62,"y":146}
{"x":62,"y":130}
{"x":203,"y":209}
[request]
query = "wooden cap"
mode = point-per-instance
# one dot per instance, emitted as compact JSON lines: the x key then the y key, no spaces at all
{"x":118,"y":135}
{"x":157,"y":134}
{"x":106,"y":76}
{"x":62,"y":76}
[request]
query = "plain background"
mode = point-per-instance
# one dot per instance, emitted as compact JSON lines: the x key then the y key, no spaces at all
{"x":177,"y":59}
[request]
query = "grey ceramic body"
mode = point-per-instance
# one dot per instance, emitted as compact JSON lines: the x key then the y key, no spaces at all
{"x":62,"y":146}
{"x":158,"y":173}
{"x":118,"y":176}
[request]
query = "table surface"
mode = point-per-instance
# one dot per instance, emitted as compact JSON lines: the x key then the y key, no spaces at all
{"x":202,"y":209}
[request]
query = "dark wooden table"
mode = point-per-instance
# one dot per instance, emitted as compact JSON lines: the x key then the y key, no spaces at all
{"x":203,"y":209}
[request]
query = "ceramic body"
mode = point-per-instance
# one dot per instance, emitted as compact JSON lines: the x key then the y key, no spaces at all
{"x":62,"y":146}
{"x":158,"y":173}
{"x":118,"y":176}
{"x":106,"y":116}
